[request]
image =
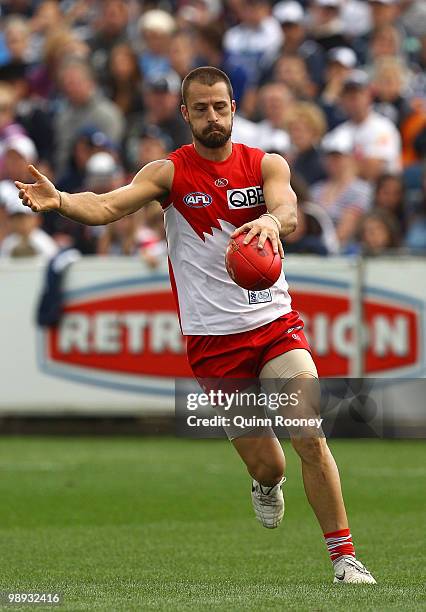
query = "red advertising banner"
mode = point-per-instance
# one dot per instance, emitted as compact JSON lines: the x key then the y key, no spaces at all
{"x":135,"y":331}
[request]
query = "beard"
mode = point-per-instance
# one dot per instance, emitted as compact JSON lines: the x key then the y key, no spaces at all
{"x":212,"y":137}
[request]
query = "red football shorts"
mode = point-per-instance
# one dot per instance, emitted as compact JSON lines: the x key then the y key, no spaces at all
{"x":244,"y":354}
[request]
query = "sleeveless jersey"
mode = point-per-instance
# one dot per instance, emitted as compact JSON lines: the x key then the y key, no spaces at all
{"x":207,"y":201}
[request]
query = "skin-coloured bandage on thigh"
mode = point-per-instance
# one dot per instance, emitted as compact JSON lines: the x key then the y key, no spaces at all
{"x":297,"y":362}
{"x":294,"y":374}
{"x":277,"y":372}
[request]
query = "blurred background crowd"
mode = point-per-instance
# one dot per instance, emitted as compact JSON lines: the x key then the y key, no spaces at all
{"x":90,"y":93}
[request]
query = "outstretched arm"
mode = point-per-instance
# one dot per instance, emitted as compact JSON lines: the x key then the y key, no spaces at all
{"x":153,"y":182}
{"x":281,"y":202}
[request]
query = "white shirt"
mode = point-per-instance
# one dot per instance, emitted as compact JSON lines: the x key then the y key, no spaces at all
{"x":254,"y":47}
{"x":375,"y":138}
{"x":41,"y":242}
{"x":262,"y":135}
{"x":271,"y":138}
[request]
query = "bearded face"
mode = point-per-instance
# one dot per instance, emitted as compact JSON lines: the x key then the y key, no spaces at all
{"x":209,"y":113}
{"x":212,"y":136}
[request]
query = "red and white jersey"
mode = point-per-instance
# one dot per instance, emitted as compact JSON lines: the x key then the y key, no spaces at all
{"x":208,"y":200}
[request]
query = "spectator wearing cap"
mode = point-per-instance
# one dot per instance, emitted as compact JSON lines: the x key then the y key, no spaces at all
{"x":306,"y":125}
{"x":340,"y":62}
{"x":26,"y":239}
{"x":88,"y":141}
{"x":124,"y":83}
{"x":210,"y":52}
{"x":255,"y":42}
{"x":161,"y":99}
{"x":110,"y":31}
{"x":156,"y":28}
{"x":19,"y":151}
{"x":376,"y":141}
{"x":327,"y":26}
{"x":84,"y":104}
{"x":296,"y":41}
{"x":103,"y":173}
{"x":342,"y":194}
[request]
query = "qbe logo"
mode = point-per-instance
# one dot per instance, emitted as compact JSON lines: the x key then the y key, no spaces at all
{"x":245,"y":198}
{"x":197,"y":199}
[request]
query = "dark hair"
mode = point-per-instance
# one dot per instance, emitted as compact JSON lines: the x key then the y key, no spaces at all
{"x":388,"y":220}
{"x":212,"y":34}
{"x":398,"y":211}
{"x":388,"y":176}
{"x":207,"y":75}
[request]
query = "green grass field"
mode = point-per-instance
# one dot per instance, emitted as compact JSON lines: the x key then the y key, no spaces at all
{"x":167,"y":524}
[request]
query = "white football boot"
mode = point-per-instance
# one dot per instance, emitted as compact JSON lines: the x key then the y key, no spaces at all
{"x":348,"y":569}
{"x":268,"y":503}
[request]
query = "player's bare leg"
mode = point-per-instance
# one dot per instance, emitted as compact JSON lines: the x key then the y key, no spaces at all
{"x":264,"y":458}
{"x":321,"y":480}
{"x":319,"y":470}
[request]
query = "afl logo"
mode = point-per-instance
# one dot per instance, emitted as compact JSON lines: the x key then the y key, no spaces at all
{"x":221,"y":182}
{"x":197,"y":199}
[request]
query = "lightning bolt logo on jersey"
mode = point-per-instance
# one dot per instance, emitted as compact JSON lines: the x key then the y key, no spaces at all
{"x":208,"y":200}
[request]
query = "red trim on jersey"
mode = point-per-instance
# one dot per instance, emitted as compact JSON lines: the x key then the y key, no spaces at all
{"x":174,"y":290}
{"x":196,"y":175}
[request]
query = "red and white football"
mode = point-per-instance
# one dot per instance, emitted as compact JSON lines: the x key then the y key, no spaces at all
{"x":251,"y":267}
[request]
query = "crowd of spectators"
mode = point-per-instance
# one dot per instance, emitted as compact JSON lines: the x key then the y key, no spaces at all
{"x":90,"y":93}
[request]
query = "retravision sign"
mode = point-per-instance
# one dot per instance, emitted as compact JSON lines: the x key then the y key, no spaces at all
{"x":131,"y":331}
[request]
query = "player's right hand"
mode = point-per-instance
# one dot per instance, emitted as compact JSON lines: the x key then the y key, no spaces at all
{"x":40,"y":196}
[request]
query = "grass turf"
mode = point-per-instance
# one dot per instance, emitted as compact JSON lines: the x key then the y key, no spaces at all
{"x":167,"y":524}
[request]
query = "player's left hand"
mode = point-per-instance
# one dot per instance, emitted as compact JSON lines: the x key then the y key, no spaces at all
{"x":265,"y":228}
